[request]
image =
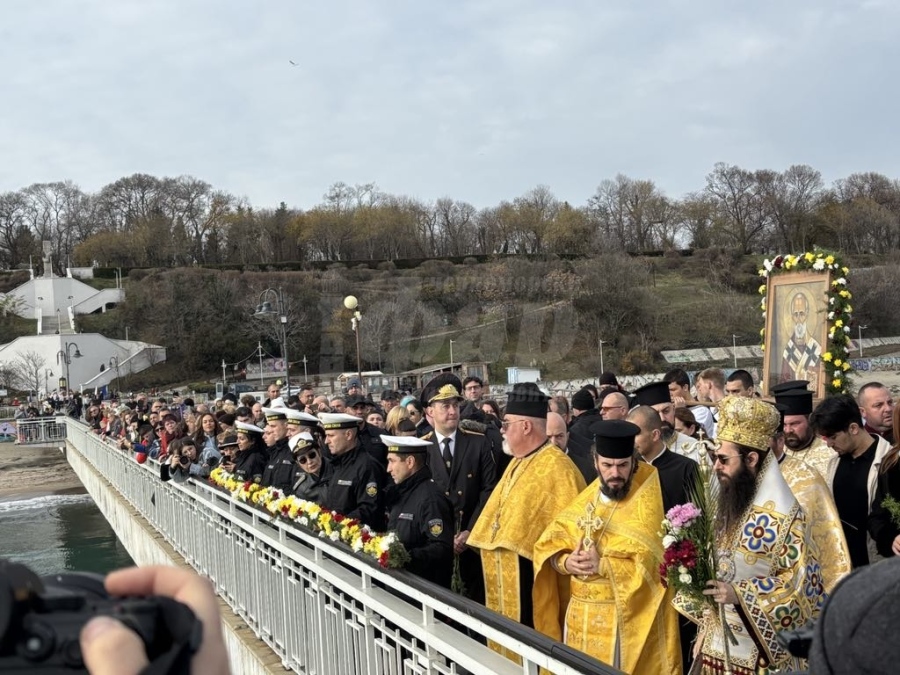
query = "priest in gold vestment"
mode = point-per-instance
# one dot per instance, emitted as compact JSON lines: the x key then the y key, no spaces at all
{"x":606,"y":543}
{"x":537,"y":484}
{"x":769,"y":577}
{"x":795,"y":401}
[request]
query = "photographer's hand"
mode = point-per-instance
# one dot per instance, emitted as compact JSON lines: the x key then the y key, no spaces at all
{"x":111,"y":648}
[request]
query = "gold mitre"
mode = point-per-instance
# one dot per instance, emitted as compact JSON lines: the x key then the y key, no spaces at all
{"x":747,"y":421}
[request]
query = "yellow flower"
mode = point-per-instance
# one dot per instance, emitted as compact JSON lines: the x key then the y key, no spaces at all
{"x":845,"y":270}
{"x":845,"y":294}
{"x":762,"y":348}
{"x":762,"y":331}
{"x":762,"y":289}
{"x":848,"y":309}
{"x":838,"y":323}
{"x":829,"y":260}
{"x":836,"y":383}
{"x":809,"y":257}
{"x":826,"y":357}
{"x":788,"y":264}
{"x":837,"y":363}
{"x":846,"y":366}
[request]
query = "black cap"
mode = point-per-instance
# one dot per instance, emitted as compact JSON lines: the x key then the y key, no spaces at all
{"x":790,"y":385}
{"x":228,"y":440}
{"x":583,"y":400}
{"x":438,"y":381}
{"x":390,"y":395}
{"x":355,"y":400}
{"x":614,"y":438}
{"x":527,"y":400}
{"x":653,"y":394}
{"x":795,"y":401}
{"x":608,"y":378}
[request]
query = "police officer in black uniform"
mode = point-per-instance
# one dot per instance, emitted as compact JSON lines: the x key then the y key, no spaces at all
{"x":419,"y":513}
{"x":281,"y":469}
{"x":356,"y":486}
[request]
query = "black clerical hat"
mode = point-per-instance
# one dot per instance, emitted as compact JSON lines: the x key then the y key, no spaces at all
{"x":614,"y":438}
{"x":583,"y":400}
{"x":790,"y":385}
{"x":795,"y":401}
{"x":527,"y":400}
{"x":653,"y":394}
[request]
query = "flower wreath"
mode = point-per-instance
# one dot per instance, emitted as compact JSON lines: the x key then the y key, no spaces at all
{"x":836,"y":358}
{"x":386,"y":549}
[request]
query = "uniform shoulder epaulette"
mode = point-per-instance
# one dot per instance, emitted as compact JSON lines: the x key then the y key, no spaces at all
{"x":428,"y":436}
{"x":470,"y":432}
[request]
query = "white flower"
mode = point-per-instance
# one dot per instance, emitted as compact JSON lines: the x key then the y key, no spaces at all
{"x":682,"y":569}
{"x":357,"y":544}
{"x":841,"y":280}
{"x":685,"y":578}
{"x":846,"y":329}
{"x":666,"y":524}
{"x":830,"y":301}
{"x":304,"y":521}
{"x":321,"y":534}
{"x":668,"y":540}
{"x":819,"y":264}
{"x":334,"y":536}
{"x":768,"y":265}
{"x":830,"y":316}
{"x":764,"y":273}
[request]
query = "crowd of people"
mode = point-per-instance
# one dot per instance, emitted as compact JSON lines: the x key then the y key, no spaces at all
{"x":547,"y":509}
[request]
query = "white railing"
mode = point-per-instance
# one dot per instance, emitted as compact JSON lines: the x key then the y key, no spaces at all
{"x":319,"y":606}
{"x":37,"y":430}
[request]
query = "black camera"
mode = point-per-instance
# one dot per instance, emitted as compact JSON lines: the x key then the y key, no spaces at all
{"x":184,"y":460}
{"x":41,"y":620}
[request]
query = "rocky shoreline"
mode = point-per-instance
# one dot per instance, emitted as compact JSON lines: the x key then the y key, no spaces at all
{"x":35,"y":471}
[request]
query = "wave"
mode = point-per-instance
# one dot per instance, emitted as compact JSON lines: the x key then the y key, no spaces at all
{"x":45,"y":502}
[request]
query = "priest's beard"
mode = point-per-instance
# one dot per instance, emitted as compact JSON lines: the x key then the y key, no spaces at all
{"x":795,"y":442}
{"x":735,"y":495}
{"x":506,"y":449}
{"x":667,"y":431}
{"x":618,"y":491}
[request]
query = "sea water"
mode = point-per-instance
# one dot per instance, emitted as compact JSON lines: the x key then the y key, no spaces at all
{"x":58,"y":533}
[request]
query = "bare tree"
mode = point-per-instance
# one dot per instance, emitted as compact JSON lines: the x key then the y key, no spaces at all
{"x":28,"y":370}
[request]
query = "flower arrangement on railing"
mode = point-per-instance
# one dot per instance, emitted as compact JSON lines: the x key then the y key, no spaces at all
{"x":837,"y":357}
{"x":386,"y":549}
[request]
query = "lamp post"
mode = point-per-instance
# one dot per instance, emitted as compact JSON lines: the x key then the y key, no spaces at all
{"x":72,"y":312}
{"x":114,"y":362}
{"x":305,"y":374}
{"x":861,"y":327}
{"x":259,"y":346}
{"x":264,"y":308}
{"x":602,"y":370}
{"x":734,"y":348}
{"x":451,"y":356}
{"x":67,"y":360}
{"x":47,"y":375}
{"x":351,"y":303}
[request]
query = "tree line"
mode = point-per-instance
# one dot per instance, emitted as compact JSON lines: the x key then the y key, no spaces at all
{"x":146,"y":221}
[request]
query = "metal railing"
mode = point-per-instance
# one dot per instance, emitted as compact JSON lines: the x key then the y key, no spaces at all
{"x":320,"y":607}
{"x":37,"y":430}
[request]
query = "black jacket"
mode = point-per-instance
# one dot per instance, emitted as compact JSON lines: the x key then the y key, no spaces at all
{"x":422,"y":517}
{"x":250,"y":465}
{"x":356,"y":486}
{"x":678,"y":475}
{"x":880,"y":525}
{"x":370,"y":438}
{"x":584,"y":460}
{"x":313,"y":488}
{"x":472,"y":475}
{"x":281,"y":468}
{"x":580,"y":438}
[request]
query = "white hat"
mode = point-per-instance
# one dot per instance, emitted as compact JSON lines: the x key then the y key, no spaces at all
{"x":408,"y":445}
{"x":277,"y":403}
{"x":339,"y":421}
{"x":274,"y":414}
{"x":303,"y":437}
{"x":298,"y":418}
{"x":243,"y":426}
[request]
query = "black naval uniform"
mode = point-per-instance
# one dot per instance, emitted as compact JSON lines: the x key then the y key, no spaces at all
{"x":468,"y":485}
{"x":280,"y":470}
{"x":370,"y":438}
{"x":355,"y":487}
{"x":250,"y":465}
{"x":422,"y":517}
{"x":313,"y":488}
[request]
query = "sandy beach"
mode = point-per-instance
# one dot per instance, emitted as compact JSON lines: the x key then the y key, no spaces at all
{"x":33,"y":471}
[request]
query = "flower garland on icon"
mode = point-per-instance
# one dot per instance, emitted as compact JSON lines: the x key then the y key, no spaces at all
{"x":837,"y":356}
{"x":386,"y":549}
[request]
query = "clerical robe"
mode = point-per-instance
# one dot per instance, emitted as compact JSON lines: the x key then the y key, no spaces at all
{"x":531,"y":492}
{"x":770,"y":562}
{"x":622,"y":615}
{"x":800,"y":360}
{"x":822,"y":519}
{"x":816,"y":455}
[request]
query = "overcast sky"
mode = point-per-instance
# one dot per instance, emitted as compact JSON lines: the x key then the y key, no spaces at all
{"x":479,"y":101}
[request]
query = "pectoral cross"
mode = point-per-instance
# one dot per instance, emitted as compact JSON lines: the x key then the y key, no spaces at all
{"x":495,"y":527}
{"x":590,"y":523}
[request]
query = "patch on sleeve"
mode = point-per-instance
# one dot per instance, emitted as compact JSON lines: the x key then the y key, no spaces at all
{"x":372,"y":489}
{"x":436,"y":527}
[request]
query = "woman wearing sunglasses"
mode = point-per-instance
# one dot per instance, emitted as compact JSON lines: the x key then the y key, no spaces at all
{"x":314,"y":474}
{"x":250,"y":455}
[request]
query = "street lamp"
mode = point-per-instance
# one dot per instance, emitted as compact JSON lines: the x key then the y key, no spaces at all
{"x":305,"y":374}
{"x":602,"y":370}
{"x":47,"y":374}
{"x":264,"y":308}
{"x":114,"y":362}
{"x":67,"y":360}
{"x":451,"y":356}
{"x":861,"y":327}
{"x":351,"y":303}
{"x":734,"y":348}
